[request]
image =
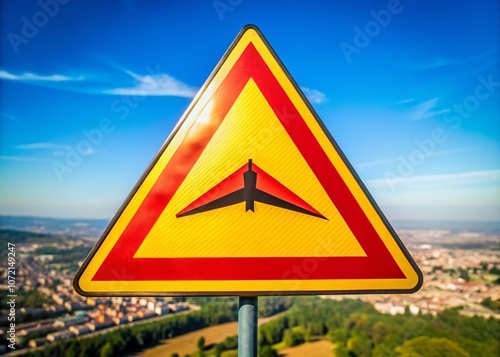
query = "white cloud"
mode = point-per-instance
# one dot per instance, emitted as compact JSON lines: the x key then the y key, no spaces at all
{"x":155,"y":85}
{"x":463,"y":178}
{"x":396,"y":159}
{"x":426,"y":110}
{"x":314,"y":96}
{"x":10,"y":117}
{"x":404,"y":101}
{"x":435,"y":63}
{"x":36,"y":146}
{"x":448,"y":152}
{"x":48,"y":149}
{"x":23,"y":159}
{"x":376,"y":162}
{"x":32,"y":77}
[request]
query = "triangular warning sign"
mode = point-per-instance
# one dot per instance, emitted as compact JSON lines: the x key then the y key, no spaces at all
{"x":248,"y":195}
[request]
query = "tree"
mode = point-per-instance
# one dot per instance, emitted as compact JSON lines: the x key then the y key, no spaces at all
{"x":464,"y":274}
{"x":307,"y":335}
{"x":107,"y":350}
{"x":230,"y":343}
{"x":360,"y":346}
{"x":272,"y":332}
{"x":338,"y":335}
{"x":491,"y":304}
{"x":431,"y":347}
{"x":293,"y":338}
{"x":267,"y":351}
{"x":201,"y":343}
{"x":218,"y":348}
{"x":341,"y":351}
{"x":495,"y":271}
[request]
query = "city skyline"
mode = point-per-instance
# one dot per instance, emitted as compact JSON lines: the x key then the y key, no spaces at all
{"x":409,"y":90}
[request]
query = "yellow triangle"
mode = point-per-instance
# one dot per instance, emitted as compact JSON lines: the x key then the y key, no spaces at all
{"x":232,"y":232}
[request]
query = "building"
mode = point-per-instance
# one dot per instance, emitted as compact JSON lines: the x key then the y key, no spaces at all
{"x":58,"y":336}
{"x":37,"y":342}
{"x":79,"y":330}
{"x":70,"y":321}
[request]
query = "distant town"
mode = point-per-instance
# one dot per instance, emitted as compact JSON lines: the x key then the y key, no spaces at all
{"x":460,"y":268}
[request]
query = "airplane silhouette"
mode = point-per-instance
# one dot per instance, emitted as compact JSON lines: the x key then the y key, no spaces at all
{"x":257,"y":186}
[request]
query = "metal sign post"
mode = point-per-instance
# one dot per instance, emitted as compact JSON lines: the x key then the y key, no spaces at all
{"x":247,"y":326}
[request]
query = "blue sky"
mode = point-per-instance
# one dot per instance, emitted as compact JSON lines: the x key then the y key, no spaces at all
{"x":409,"y":89}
